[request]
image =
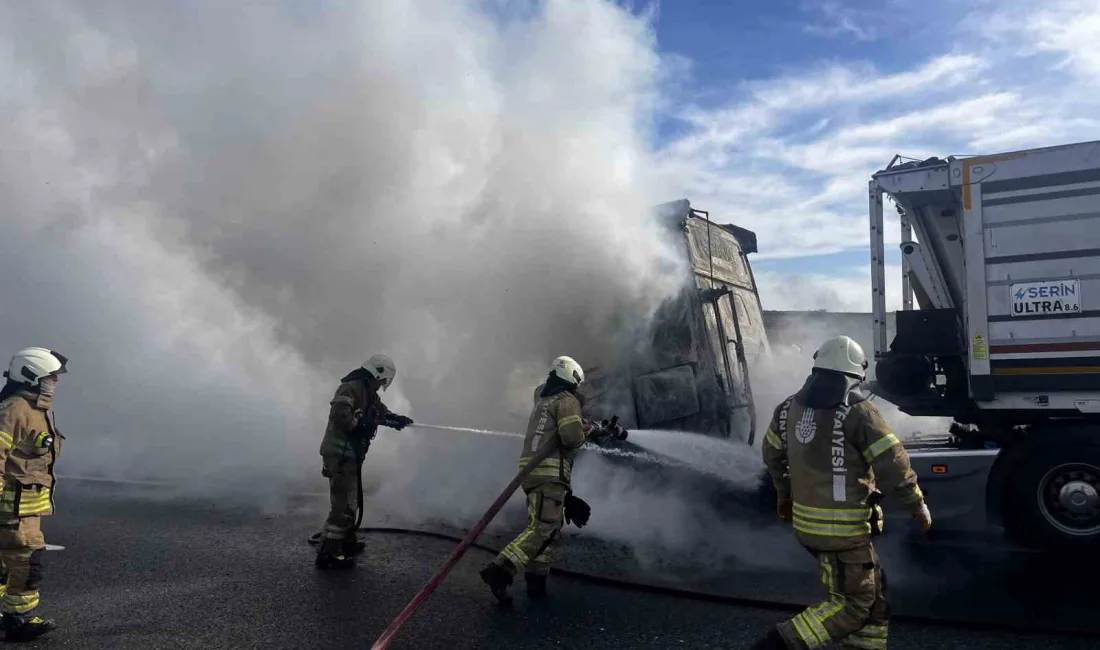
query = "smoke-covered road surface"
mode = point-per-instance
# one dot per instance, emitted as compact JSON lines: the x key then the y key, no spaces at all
{"x":138,"y":571}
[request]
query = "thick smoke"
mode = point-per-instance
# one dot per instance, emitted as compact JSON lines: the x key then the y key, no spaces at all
{"x":795,"y":336}
{"x":217,"y":212}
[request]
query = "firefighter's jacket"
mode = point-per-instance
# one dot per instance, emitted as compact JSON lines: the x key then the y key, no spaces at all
{"x":354,"y":402}
{"x":29,"y":447}
{"x":828,"y":460}
{"x":555,"y":420}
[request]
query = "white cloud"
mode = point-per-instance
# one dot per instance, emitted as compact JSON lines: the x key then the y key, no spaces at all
{"x":840,"y":21}
{"x":789,"y":157}
{"x":1068,"y":29}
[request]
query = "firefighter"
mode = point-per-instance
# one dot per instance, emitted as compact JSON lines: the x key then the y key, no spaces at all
{"x":355,"y":412}
{"x":828,"y":450}
{"x":29,"y":447}
{"x":555,"y":420}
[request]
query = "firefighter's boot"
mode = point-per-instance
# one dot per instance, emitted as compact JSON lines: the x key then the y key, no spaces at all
{"x":498,"y":578}
{"x":22,"y":627}
{"x":536,"y":585}
{"x":352,"y":545}
{"x":331,"y":555}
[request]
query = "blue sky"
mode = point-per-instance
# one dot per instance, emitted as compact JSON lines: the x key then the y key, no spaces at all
{"x":729,"y":42}
{"x":784,"y":108}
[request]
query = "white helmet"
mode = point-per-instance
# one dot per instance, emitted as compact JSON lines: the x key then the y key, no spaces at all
{"x":381,"y":368}
{"x":841,"y":354}
{"x":568,"y":370}
{"x":32,"y":365}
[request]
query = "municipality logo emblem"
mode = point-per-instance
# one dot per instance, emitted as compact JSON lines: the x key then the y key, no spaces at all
{"x":804,"y":430}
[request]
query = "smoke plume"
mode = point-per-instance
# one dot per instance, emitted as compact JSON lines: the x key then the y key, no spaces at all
{"x":217,"y":211}
{"x":796,"y":335}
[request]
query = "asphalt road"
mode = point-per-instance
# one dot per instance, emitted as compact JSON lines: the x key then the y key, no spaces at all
{"x":142,"y":571}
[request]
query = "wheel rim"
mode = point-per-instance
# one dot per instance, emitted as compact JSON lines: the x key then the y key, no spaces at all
{"x":1069,"y":499}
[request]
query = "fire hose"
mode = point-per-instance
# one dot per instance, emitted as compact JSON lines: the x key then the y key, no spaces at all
{"x":754,"y":603}
{"x":387,"y":636}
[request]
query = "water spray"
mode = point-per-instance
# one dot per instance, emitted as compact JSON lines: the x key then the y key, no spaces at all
{"x":481,"y":432}
{"x":619,"y":450}
{"x":606,"y":451}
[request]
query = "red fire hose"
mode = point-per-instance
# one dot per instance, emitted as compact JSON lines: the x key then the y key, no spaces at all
{"x":422,"y":595}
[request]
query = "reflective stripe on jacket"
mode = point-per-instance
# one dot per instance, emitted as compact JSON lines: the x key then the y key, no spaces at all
{"x":555,"y":420}
{"x":353,"y":401}
{"x":29,"y":447}
{"x":827,"y":461}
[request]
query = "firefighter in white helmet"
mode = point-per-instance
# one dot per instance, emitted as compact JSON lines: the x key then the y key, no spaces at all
{"x":828,"y":450}
{"x":555,"y":420}
{"x":355,"y":412}
{"x":29,"y":446}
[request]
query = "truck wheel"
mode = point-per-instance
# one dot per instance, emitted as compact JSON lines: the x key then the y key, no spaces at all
{"x":1054,"y":500}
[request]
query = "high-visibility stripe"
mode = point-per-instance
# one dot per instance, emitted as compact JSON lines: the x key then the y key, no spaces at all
{"x":34,"y":508}
{"x":829,"y":515}
{"x":550,"y":468}
{"x":873,"y":631}
{"x":876,"y":449}
{"x":547,"y":462}
{"x":802,"y":627}
{"x":6,"y":439}
{"x":818,"y":635}
{"x":810,"y":623}
{"x":828,"y":576}
{"x":811,"y":527}
{"x":569,"y":419}
{"x":830,"y":522}
{"x":30,"y":503}
{"x":40,"y":439}
{"x":913,"y":496}
{"x":773,"y":439}
{"x":514,"y":550}
{"x":19,"y":603}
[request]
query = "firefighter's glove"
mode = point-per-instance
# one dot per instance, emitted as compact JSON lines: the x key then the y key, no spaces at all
{"x":576,"y":511}
{"x":613,"y":429}
{"x":923,"y":517}
{"x":785,"y":509}
{"x":398,"y":422}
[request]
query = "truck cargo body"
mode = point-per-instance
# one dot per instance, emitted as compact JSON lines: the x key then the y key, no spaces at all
{"x":688,"y":367}
{"x":1005,"y":270}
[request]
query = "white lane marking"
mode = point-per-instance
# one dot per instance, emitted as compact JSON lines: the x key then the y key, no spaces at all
{"x":54,"y":547}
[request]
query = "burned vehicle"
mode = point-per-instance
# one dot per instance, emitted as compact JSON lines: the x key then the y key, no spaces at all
{"x":687,"y":369}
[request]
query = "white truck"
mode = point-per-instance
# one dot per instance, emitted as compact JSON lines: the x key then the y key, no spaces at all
{"x":1005,"y":337}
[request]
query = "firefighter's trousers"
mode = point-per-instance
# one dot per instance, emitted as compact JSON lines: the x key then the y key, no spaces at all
{"x":343,"y":484}
{"x":21,"y":549}
{"x":533,"y":550}
{"x":857,"y":611}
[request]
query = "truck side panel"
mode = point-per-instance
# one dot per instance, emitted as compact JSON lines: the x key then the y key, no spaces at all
{"x":1038,"y":214}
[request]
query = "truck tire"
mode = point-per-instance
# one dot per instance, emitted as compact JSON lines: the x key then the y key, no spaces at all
{"x":1052,"y":501}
